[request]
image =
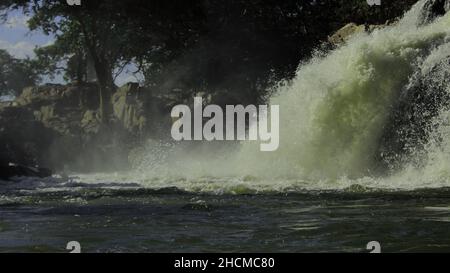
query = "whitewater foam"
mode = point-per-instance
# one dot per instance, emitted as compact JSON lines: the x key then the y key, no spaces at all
{"x":332,"y":117}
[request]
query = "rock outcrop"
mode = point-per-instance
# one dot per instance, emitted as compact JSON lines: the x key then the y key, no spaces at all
{"x":15,"y":170}
{"x":58,"y":126}
{"x":22,"y":138}
{"x":59,"y":107}
{"x":345,"y":33}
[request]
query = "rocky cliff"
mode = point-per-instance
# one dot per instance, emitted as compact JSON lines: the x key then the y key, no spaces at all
{"x":58,"y":126}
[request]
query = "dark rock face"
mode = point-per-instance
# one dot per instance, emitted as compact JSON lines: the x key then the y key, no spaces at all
{"x":58,"y":126}
{"x":15,"y":170}
{"x":59,"y":107}
{"x":74,"y":95}
{"x":22,"y":138}
{"x":434,"y":9}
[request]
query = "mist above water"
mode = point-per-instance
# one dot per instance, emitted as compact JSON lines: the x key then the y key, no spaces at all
{"x":333,"y":116}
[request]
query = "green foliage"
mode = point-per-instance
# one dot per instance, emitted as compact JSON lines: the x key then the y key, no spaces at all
{"x":238,"y":47}
{"x":244,"y":46}
{"x":112,"y":33}
{"x":15,"y":74}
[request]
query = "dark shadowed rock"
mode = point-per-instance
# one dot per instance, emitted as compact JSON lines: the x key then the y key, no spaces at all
{"x":22,"y":138}
{"x":17,"y":170}
{"x":57,"y":126}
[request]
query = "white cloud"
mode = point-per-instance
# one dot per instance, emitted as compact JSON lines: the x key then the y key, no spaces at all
{"x":19,"y":50}
{"x":17,"y":22}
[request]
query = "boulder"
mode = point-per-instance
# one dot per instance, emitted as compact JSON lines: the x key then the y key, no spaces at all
{"x":58,"y":126}
{"x":345,"y":33}
{"x":22,"y":138}
{"x":72,"y":96}
{"x":16,"y":170}
{"x":60,"y":107}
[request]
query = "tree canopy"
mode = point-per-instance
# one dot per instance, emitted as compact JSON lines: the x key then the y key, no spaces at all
{"x":239,"y":47}
{"x":15,"y":74}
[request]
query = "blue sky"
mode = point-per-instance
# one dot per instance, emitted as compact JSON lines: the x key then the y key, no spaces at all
{"x":19,"y":41}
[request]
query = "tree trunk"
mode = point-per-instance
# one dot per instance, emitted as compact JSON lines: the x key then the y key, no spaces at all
{"x":103,"y":70}
{"x":81,"y":68}
{"x":106,"y":86}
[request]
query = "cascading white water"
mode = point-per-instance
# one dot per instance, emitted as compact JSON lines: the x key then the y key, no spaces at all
{"x":335,"y":111}
{"x":332,"y":116}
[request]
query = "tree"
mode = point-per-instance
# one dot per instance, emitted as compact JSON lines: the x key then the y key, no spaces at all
{"x":81,"y":31}
{"x":237,"y":46}
{"x":112,"y":33}
{"x":15,"y":74}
